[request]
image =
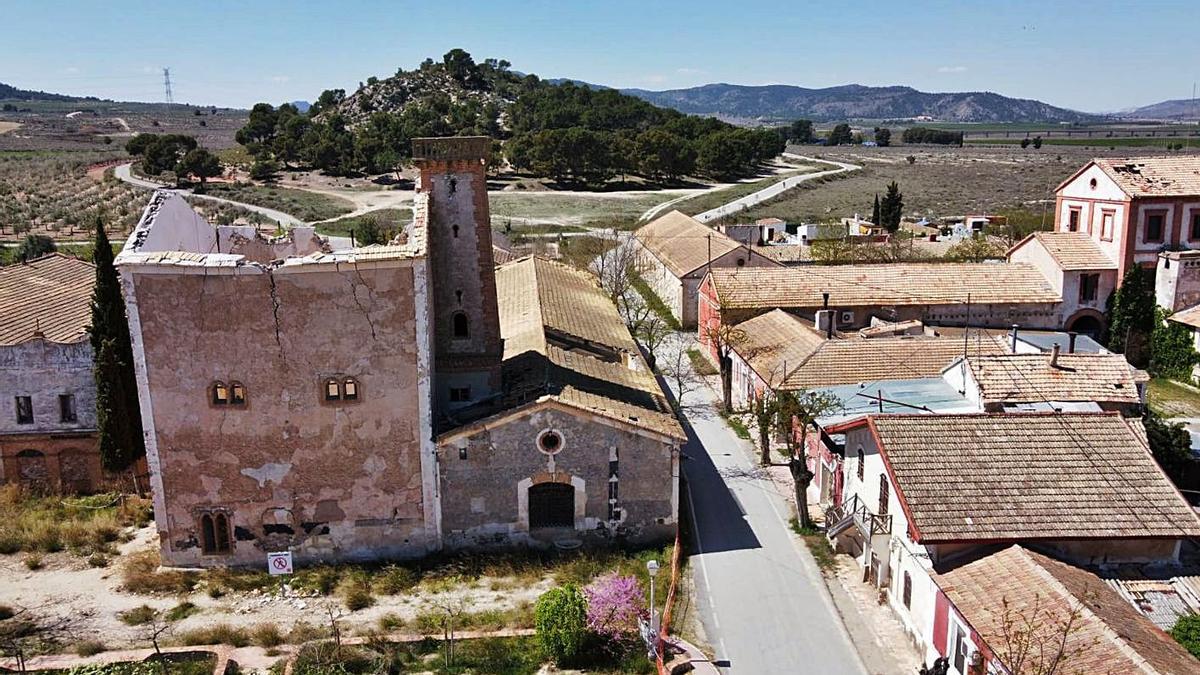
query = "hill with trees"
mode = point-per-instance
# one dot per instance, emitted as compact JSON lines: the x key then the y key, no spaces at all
{"x":854,"y":101}
{"x":565,"y":131}
{"x":10,"y":92}
{"x":1178,"y":109}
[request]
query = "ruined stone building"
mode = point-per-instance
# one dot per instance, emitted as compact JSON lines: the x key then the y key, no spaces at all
{"x":48,"y":415}
{"x":386,"y":400}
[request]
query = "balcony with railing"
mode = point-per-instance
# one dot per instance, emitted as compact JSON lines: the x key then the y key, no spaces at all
{"x":854,"y":512}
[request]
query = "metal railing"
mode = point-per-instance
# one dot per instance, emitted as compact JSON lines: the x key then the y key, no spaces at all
{"x":866,"y":520}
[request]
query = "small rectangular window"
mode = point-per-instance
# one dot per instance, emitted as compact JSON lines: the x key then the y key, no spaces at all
{"x":332,"y":391}
{"x":237,"y":394}
{"x":907,"y":590}
{"x":1073,"y":219}
{"x":350,"y":389}
{"x":612,"y":490}
{"x":66,"y":408}
{"x":460,"y":394}
{"x":1154,"y":226}
{"x":1195,"y":235}
{"x":1088,"y":284}
{"x":1106,"y":225}
{"x":24,"y":410}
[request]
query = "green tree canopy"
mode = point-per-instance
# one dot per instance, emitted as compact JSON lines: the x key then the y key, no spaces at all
{"x":891,"y":208}
{"x":1131,"y":316}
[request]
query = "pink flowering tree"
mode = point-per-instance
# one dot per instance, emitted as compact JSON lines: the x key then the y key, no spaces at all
{"x":615,"y":603}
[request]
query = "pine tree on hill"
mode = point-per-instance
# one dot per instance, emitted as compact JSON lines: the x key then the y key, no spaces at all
{"x":118,"y":416}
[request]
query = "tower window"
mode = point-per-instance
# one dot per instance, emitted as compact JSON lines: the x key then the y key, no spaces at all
{"x":220,"y":394}
{"x":454,"y":230}
{"x":332,"y":391}
{"x":453,"y":184}
{"x":24,"y":410}
{"x":214,"y":533}
{"x":461,"y":329}
{"x":237,"y":394}
{"x":350,"y":389}
{"x":66,"y":408}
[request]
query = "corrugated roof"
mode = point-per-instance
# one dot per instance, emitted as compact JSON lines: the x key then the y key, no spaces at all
{"x":775,"y":343}
{"x":895,"y":284}
{"x":1024,"y":378}
{"x":52,"y":294}
{"x":1071,"y":250}
{"x":682,"y":243}
{"x":885,"y":358}
{"x":1173,"y":176}
{"x":1107,"y":634}
{"x":987,"y":477}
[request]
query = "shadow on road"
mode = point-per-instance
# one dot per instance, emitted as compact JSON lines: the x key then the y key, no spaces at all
{"x":718,"y":519}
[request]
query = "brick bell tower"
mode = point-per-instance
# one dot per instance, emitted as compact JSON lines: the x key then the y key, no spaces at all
{"x":452,"y":196}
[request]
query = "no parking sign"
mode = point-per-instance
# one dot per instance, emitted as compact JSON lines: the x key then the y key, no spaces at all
{"x":279,"y":563}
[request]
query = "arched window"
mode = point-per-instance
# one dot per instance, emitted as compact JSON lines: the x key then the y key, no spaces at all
{"x":220,"y":394}
{"x":883,"y":494}
{"x":332,"y":391}
{"x":237,"y":394}
{"x":454,"y":230}
{"x":860,"y":463}
{"x":461,"y":329}
{"x":350,"y":389}
{"x":214,"y":533}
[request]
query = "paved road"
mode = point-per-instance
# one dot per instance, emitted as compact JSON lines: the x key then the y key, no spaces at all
{"x":763,"y":603}
{"x":121,"y":171}
{"x":775,"y":189}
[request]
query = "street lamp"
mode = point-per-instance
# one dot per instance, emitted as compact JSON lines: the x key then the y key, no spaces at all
{"x":652,"y":568}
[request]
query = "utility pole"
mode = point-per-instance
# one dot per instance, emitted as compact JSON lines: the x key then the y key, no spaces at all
{"x":967,"y":331}
{"x":167,"y":86}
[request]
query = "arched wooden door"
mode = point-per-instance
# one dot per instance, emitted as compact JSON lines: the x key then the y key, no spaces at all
{"x":551,"y":505}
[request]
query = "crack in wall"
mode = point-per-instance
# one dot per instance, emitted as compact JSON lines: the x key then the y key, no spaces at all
{"x":357,"y":302}
{"x":275,"y":308}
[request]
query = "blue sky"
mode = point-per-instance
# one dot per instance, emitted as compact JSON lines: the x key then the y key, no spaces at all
{"x":1094,"y":56}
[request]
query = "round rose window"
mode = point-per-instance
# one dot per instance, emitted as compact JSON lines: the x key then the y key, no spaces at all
{"x":550,"y":442}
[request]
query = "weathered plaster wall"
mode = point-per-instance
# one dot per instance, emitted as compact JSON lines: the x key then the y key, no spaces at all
{"x":43,"y":370}
{"x":481,"y":500}
{"x":328,"y":480}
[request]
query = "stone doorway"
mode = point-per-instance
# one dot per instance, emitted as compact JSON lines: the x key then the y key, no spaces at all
{"x":551,"y":505}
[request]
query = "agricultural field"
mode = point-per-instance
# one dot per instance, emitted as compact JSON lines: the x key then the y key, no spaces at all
{"x":305,"y":205}
{"x":55,"y":194}
{"x":518,"y":211}
{"x":938,"y":183}
{"x":94,"y":125}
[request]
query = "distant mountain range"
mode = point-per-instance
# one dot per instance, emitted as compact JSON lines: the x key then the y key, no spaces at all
{"x":855,"y":101}
{"x":1179,"y":109}
{"x":11,"y":92}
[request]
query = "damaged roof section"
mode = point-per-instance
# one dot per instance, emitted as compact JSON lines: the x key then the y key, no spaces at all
{"x":170,"y":232}
{"x":564,"y":341}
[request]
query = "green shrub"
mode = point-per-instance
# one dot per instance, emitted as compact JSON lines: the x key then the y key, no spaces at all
{"x":98,"y":560}
{"x":139,"y":574}
{"x":181,"y":611}
{"x":560,"y":619}
{"x":394,"y":579}
{"x":1186,"y":632}
{"x":266,"y":635}
{"x":391,"y":622}
{"x":356,"y":593}
{"x":90,"y":648}
{"x":138,"y":615}
{"x":219,"y":633}
{"x":33,"y":562}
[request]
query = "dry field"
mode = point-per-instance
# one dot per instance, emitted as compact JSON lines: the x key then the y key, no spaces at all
{"x":940,"y":182}
{"x":104,"y":124}
{"x":6,"y":127}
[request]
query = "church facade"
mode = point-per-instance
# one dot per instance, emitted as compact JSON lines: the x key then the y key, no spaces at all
{"x":386,"y":401}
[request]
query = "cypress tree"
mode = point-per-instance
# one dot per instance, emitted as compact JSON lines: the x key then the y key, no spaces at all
{"x":875,"y":211}
{"x":118,"y":416}
{"x":891,"y":209}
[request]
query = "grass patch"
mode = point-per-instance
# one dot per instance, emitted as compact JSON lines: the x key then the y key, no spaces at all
{"x":701,"y":365}
{"x":215,"y":634}
{"x":817,"y":544}
{"x":84,"y":525}
{"x":389,"y":222}
{"x":1093,"y":142}
{"x":177,"y":664}
{"x":307,"y":206}
{"x":90,"y":648}
{"x":503,"y":656}
{"x":654,"y":302}
{"x":517,"y":210}
{"x":1168,"y":398}
{"x":739,"y":427}
{"x":181,"y":611}
{"x":138,"y":616}
{"x":267,"y":635}
{"x":139,"y":574}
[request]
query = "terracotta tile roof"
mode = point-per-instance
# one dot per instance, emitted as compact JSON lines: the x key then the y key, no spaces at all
{"x":884,"y":358}
{"x":1071,"y":250}
{"x":982,"y":477}
{"x":560,"y":315}
{"x":887,"y":329}
{"x":1174,"y":176}
{"x":1029,"y":378}
{"x":785,"y":253}
{"x":682,"y":243}
{"x":52,"y":294}
{"x":1108,"y":634}
{"x":775,"y":343}
{"x":893,"y":284}
{"x":1187,"y":317}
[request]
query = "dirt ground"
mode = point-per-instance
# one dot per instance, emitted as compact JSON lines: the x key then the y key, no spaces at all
{"x":6,"y":127}
{"x":66,"y":585}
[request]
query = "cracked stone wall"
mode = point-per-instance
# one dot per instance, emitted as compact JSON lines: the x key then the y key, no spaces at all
{"x":481,"y":494}
{"x":329,"y":480}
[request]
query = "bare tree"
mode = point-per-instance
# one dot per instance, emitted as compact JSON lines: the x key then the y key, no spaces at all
{"x":25,"y":630}
{"x":800,"y":409}
{"x":724,"y":337}
{"x":617,"y":266}
{"x":676,"y":367}
{"x":452,"y":607}
{"x":648,"y":328}
{"x":1040,"y":640}
{"x":153,"y":631}
{"x":763,"y":408}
